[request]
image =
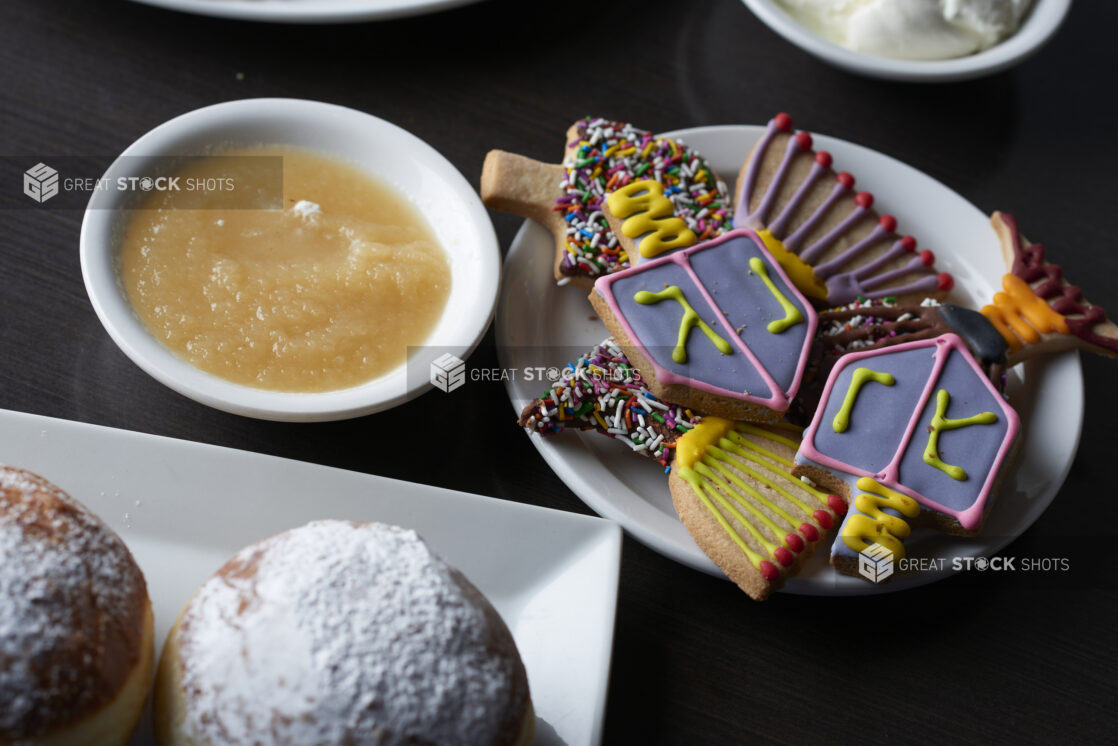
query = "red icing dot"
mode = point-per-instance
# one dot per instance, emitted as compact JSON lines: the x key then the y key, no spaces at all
{"x":769,"y":571}
{"x":823,"y":158}
{"x":927,"y":257}
{"x":888,"y":222}
{"x":783,"y":556}
{"x":845,"y":179}
{"x":945,"y":281}
{"x":794,"y":542}
{"x":836,"y":504}
{"x":909,"y":243}
{"x":809,"y":532}
{"x":783,"y":122}
{"x":864,"y":200}
{"x":803,"y":139}
{"x":823,"y":518}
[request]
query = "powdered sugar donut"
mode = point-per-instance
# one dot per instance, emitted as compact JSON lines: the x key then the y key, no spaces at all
{"x":76,"y":639}
{"x":341,"y":632}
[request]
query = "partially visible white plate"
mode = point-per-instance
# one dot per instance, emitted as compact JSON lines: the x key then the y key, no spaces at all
{"x":1041,"y":23}
{"x":184,"y":508}
{"x":309,"y":11}
{"x":535,"y":317}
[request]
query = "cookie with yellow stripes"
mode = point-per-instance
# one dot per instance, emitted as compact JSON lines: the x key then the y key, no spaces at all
{"x":732,"y":486}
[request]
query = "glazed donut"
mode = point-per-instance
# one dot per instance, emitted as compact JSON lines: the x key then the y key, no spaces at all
{"x":341,"y":633}
{"x":76,"y":638}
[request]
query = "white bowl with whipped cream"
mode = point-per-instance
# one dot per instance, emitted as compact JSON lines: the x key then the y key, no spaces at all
{"x":916,"y":40}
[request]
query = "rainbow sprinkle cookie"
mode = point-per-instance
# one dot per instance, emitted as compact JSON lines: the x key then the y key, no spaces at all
{"x":569,"y":198}
{"x":602,"y":391}
{"x":609,"y":155}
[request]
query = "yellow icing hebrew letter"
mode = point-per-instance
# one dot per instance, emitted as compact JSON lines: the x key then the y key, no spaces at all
{"x":868,"y":524}
{"x":647,"y":212}
{"x":861,"y":377}
{"x":792,"y":315}
{"x":690,"y":319}
{"x":939,"y":424}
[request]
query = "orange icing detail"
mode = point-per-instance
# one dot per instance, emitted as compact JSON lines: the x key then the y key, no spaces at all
{"x":1020,"y":315}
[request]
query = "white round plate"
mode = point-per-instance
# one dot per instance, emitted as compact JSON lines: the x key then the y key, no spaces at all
{"x":1038,"y":27}
{"x":308,"y":11}
{"x":535,"y":318}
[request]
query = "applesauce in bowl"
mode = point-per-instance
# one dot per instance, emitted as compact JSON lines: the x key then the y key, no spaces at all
{"x":324,"y":294}
{"x":238,"y":330}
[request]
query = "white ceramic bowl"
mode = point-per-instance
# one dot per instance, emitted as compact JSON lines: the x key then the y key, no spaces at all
{"x":1040,"y":24}
{"x":307,"y":11}
{"x":434,"y":186}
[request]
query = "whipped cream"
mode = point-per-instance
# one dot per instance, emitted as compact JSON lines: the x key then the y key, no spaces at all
{"x":911,"y":29}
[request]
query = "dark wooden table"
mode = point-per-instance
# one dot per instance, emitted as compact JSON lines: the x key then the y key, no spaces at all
{"x":695,"y":661}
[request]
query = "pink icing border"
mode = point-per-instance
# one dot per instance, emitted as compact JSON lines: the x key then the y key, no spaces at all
{"x":969,"y":518}
{"x":780,"y":399}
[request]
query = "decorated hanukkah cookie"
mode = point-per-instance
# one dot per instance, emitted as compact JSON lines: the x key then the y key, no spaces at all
{"x":912,"y":430}
{"x":718,"y":328}
{"x":823,"y":230}
{"x":679,"y":195}
{"x":602,"y":391}
{"x":861,"y":325}
{"x":732,"y":486}
{"x":1038,"y":311}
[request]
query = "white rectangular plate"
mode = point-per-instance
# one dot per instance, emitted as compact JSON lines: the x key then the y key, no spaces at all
{"x":184,"y":508}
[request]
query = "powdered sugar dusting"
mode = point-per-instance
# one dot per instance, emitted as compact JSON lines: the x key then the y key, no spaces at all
{"x":342,"y":632}
{"x":68,"y":592}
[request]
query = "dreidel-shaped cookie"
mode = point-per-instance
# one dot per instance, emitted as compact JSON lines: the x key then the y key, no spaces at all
{"x":718,"y":328}
{"x":905,"y":436}
{"x":912,"y":429}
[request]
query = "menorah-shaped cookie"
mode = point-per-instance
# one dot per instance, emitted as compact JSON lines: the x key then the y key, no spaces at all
{"x":732,"y":486}
{"x":680,"y":199}
{"x":1039,"y":311}
{"x":826,"y":235}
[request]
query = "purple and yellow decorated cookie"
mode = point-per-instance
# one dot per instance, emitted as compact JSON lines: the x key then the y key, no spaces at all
{"x":718,"y":328}
{"x":917,"y":427}
{"x":828,"y":237}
